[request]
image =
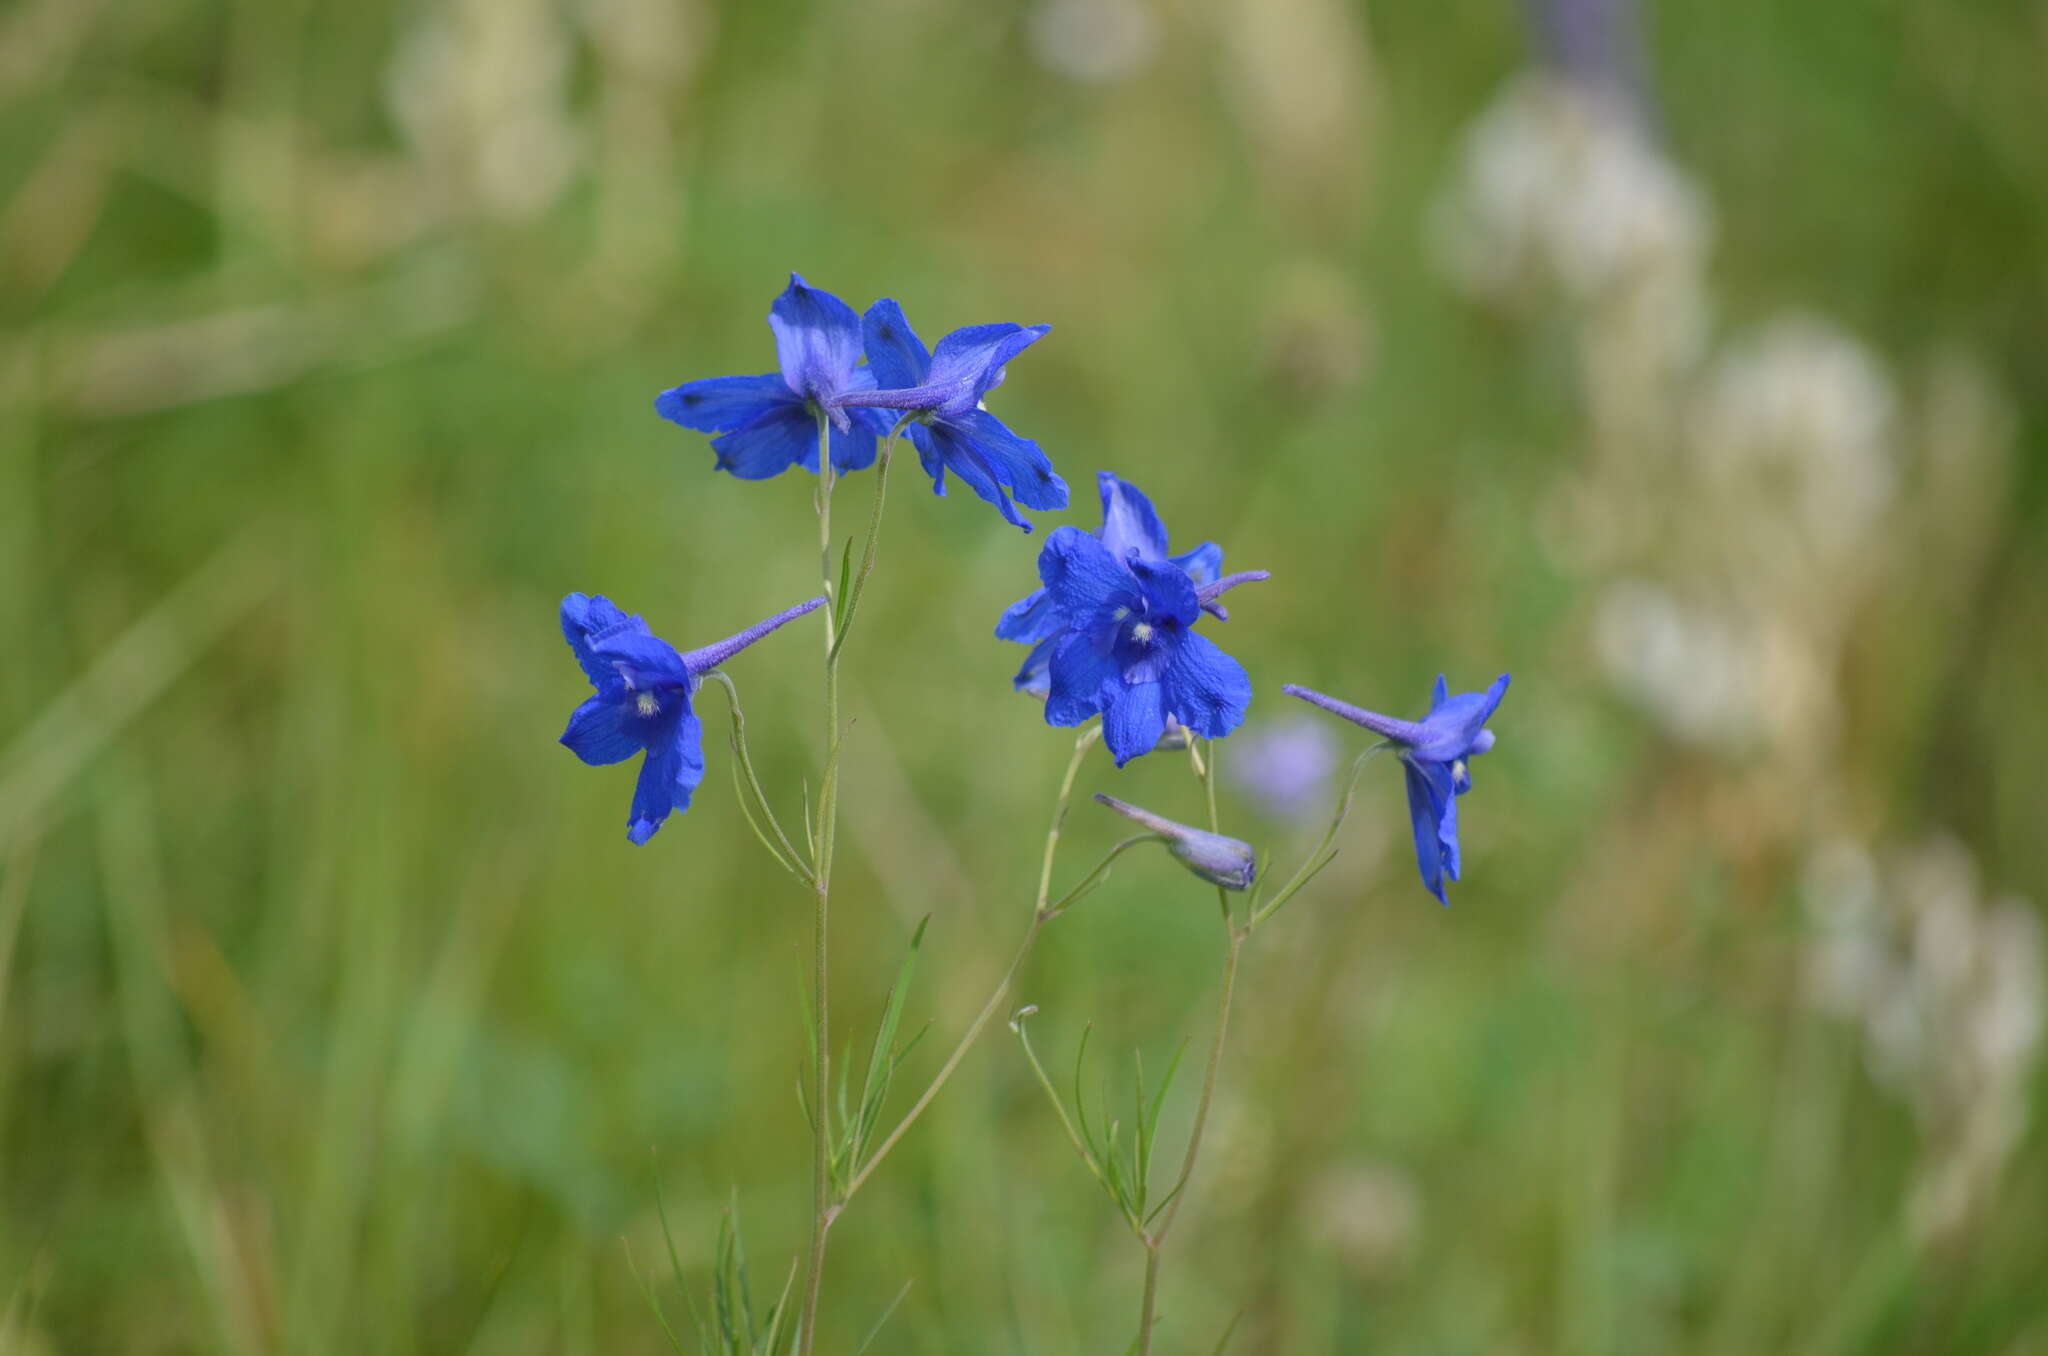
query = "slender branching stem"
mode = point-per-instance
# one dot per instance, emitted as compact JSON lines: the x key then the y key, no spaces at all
{"x":821,"y":873}
{"x":1325,"y":851}
{"x":1041,"y":914}
{"x":1155,"y":1239}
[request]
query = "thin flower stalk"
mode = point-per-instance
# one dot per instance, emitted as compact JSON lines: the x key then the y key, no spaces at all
{"x":1041,"y":913}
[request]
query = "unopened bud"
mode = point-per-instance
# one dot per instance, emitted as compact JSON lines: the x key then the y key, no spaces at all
{"x":1216,"y":859}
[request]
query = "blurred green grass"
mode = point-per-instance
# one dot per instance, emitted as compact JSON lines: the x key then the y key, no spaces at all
{"x":338,"y":1015}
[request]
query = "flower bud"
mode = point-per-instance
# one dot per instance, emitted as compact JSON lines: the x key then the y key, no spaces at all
{"x":1216,"y":859}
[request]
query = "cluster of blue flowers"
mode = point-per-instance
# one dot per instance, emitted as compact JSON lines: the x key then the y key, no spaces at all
{"x":1112,"y":627}
{"x":769,"y":423}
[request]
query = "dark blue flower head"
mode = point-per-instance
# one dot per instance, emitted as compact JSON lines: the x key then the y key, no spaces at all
{"x":946,"y":386}
{"x":643,"y":701}
{"x":1436,"y":754}
{"x":769,"y":423}
{"x":1129,"y":524}
{"x":1119,"y":640}
{"x":1222,"y":861}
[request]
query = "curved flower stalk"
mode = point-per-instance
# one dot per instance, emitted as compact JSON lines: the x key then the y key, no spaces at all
{"x":1122,"y":1164}
{"x":642,"y":704}
{"x":1436,"y":754}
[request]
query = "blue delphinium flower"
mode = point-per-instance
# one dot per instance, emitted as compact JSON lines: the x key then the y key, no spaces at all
{"x":1126,"y":647}
{"x":769,"y":423}
{"x":643,"y":701}
{"x":1436,"y":754}
{"x":945,"y":386}
{"x":1129,"y":524}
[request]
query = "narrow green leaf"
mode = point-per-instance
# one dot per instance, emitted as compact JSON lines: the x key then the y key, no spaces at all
{"x":1080,"y":1107}
{"x":779,"y":1315}
{"x":876,"y":1331}
{"x":881,"y":1060}
{"x":844,"y":595}
{"x":654,"y":1303}
{"x":1172,"y":1068}
{"x":1142,"y":1148}
{"x":721,"y":1283}
{"x":810,"y":834}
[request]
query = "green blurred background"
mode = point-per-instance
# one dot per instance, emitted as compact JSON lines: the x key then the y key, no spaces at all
{"x":1707,"y":390}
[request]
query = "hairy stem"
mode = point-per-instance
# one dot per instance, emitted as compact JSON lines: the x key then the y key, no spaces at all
{"x":1039,"y":917}
{"x":821,"y":873}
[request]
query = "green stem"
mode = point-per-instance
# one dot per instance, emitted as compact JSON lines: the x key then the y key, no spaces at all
{"x":1040,"y":916}
{"x":1155,"y":1241}
{"x":867,"y":555}
{"x":821,"y":872}
{"x":1324,"y":853}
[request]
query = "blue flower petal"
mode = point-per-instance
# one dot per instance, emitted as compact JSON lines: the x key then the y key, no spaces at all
{"x":1425,"y":815}
{"x":962,"y":456}
{"x":1035,"y":675}
{"x":1169,"y":593}
{"x":1079,"y":572}
{"x":1129,"y":522}
{"x":602,"y":732}
{"x":817,"y":340}
{"x":854,"y":447}
{"x":1204,"y":564}
{"x":718,"y":404}
{"x":1078,"y":673}
{"x":1133,"y":719}
{"x":585,"y":619}
{"x":689,"y":759}
{"x":644,"y":661}
{"x":929,"y":456}
{"x":654,"y":793}
{"x":785,"y":436}
{"x":1441,"y":693}
{"x":1447,"y":836}
{"x":1453,"y":727}
{"x":1207,"y":690}
{"x":970,"y":362}
{"x":896,"y":356}
{"x":1017,"y":462}
{"x":1030,"y":619}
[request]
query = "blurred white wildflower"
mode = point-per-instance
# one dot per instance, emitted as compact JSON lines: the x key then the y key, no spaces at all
{"x":1691,"y":670}
{"x":1847,"y":965}
{"x":480,"y":90}
{"x":1369,"y":1214}
{"x":1285,"y":765}
{"x":1094,"y":40}
{"x":1557,"y":186}
{"x":1794,"y":428}
{"x":1950,"y":993}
